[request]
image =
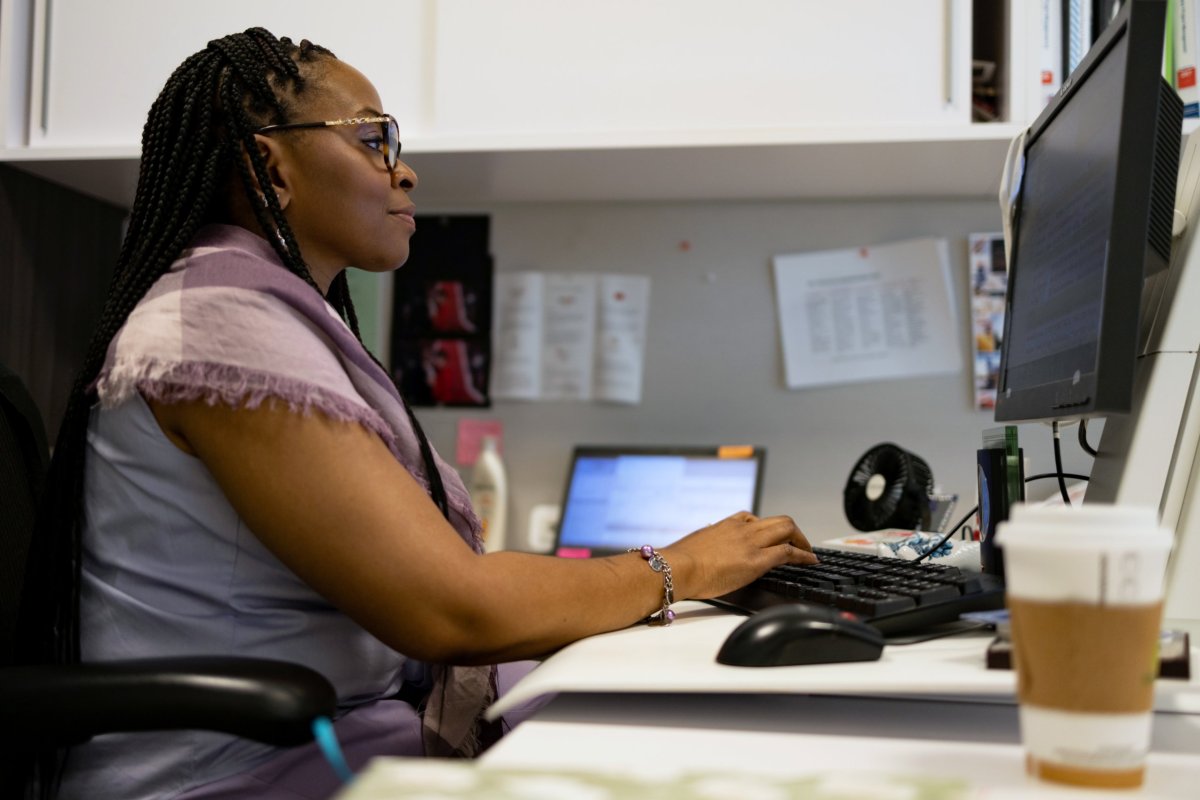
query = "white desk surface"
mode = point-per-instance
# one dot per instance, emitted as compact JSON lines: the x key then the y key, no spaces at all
{"x":681,"y":658}
{"x":654,"y":701}
{"x":653,"y":704}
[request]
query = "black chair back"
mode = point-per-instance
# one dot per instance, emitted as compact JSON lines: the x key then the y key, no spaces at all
{"x":23,"y":459}
{"x":43,"y":708}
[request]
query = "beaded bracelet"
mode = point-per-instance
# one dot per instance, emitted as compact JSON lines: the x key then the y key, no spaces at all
{"x":664,"y":616}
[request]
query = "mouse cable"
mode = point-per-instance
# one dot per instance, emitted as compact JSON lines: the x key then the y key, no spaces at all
{"x":955,"y":527}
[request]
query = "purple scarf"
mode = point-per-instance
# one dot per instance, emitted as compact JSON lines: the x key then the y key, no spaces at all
{"x":230,"y":323}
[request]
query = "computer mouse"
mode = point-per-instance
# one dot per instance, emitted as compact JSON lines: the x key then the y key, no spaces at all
{"x":800,"y":633}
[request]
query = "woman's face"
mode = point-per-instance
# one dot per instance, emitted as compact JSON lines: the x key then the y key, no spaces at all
{"x":342,"y":204}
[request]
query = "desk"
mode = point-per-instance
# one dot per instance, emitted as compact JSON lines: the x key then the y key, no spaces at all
{"x":652,"y":702}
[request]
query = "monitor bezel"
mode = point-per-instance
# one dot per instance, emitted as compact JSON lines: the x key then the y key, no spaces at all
{"x":1109,"y":386}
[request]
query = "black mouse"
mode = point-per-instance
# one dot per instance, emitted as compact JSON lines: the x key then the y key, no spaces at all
{"x":799,"y":633}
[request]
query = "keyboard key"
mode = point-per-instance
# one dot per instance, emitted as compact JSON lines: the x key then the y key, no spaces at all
{"x":888,"y":604}
{"x":923,"y":592}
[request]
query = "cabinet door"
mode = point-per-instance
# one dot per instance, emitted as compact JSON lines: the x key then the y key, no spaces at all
{"x":547,"y":66}
{"x":97,"y":67}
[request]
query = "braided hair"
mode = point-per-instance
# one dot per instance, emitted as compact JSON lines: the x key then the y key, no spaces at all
{"x":197,"y":145}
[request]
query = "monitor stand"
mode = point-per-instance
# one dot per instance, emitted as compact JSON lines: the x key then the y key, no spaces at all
{"x":1148,"y":457}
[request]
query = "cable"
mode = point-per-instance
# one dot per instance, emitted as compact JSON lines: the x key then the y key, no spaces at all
{"x":327,"y":741}
{"x":954,"y":528}
{"x":1083,"y":442}
{"x":1062,"y":483}
{"x":1075,"y":476}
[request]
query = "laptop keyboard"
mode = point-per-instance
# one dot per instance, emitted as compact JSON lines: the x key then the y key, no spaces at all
{"x":893,"y":595}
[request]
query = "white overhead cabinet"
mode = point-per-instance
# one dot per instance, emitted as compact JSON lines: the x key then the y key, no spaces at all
{"x":96,"y":67}
{"x":547,"y":100}
{"x":547,"y":67}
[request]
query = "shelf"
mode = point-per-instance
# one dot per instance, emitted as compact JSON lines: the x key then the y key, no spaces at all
{"x":817,"y":163}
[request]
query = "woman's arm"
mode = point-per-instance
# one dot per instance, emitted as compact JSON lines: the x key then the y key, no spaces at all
{"x":333,"y":504}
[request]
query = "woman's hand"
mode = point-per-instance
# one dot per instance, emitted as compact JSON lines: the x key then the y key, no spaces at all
{"x":733,"y":552}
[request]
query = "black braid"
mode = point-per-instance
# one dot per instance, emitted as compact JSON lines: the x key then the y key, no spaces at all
{"x":199,"y":133}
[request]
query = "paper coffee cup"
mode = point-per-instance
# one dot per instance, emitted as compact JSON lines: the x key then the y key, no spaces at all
{"x":1085,"y":591}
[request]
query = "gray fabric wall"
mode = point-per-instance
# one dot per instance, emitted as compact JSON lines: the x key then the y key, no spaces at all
{"x":57,"y":252}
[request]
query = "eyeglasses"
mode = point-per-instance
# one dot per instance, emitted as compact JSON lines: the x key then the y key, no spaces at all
{"x":389,"y":145}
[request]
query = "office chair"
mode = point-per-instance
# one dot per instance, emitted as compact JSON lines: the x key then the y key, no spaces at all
{"x":47,"y":707}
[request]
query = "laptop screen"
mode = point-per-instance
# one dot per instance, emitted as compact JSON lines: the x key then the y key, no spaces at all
{"x":623,"y":497}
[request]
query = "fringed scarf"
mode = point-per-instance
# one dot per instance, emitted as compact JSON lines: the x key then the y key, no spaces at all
{"x":229,"y":323}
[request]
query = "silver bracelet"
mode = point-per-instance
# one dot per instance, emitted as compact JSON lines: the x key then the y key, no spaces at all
{"x":664,"y":616}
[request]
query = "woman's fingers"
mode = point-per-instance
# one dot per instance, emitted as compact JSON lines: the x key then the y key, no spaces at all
{"x":779,"y":554}
{"x":797,"y":555}
{"x":731,"y":553}
{"x":778,"y":530}
{"x":785,"y":543}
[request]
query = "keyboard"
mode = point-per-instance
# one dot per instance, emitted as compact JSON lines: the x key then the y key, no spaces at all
{"x":893,"y":595}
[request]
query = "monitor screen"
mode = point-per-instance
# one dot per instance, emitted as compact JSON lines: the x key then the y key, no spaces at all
{"x":622,"y":497}
{"x":1091,"y":220}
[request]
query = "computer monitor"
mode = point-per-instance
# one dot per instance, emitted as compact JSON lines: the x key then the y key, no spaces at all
{"x":618,"y":497}
{"x":1091,"y":220}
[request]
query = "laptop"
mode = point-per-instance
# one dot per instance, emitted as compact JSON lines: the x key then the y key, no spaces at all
{"x":622,"y":497}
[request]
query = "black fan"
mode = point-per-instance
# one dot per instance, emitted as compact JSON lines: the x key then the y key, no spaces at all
{"x":888,"y":488}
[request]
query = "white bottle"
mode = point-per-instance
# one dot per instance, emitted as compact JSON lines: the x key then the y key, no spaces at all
{"x":489,"y":494}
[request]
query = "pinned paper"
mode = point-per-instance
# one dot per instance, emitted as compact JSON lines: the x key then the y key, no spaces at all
{"x":624,"y":305}
{"x":867,"y":313}
{"x":570,"y":336}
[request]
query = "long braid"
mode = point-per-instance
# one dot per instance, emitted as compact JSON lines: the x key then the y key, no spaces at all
{"x":265,"y":204}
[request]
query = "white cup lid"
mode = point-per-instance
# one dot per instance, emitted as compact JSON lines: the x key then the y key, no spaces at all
{"x":1085,"y":526}
{"x":1105,"y":554}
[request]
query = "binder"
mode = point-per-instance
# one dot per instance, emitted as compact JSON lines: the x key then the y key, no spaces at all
{"x":1047,"y":56}
{"x":1168,"y":62}
{"x":1076,"y":33}
{"x":1185,"y":56}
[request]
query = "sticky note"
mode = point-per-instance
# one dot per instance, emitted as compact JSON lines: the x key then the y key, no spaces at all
{"x":470,"y":438}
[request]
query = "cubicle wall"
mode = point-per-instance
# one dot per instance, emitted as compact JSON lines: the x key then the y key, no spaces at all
{"x":714,"y":371}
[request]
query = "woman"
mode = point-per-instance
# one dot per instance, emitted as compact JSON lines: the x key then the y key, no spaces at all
{"x":235,"y":475}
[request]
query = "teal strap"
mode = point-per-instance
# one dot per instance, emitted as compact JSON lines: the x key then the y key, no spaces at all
{"x":327,"y":741}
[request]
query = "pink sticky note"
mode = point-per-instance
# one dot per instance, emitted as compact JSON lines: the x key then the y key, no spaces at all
{"x":470,"y":438}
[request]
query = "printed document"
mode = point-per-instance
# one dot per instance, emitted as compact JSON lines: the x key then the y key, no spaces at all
{"x":517,"y":361}
{"x":570,"y":336}
{"x":867,"y":313}
{"x":624,"y":305}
